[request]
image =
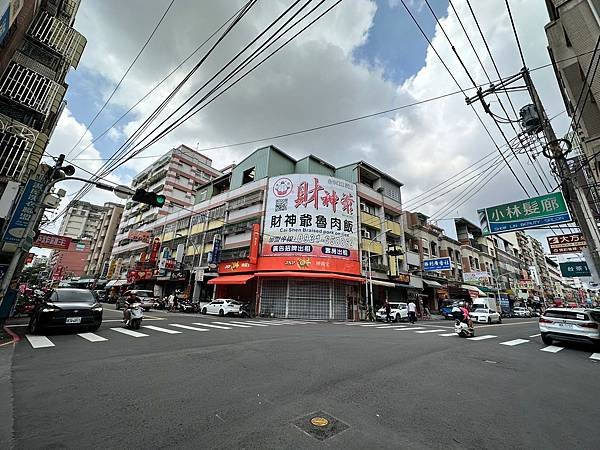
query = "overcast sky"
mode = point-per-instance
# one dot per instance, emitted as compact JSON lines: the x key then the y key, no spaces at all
{"x":363,"y":57}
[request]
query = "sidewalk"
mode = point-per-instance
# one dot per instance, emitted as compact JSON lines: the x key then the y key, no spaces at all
{"x":6,"y":390}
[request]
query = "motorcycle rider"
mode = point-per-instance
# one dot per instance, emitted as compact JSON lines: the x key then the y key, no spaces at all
{"x":466,"y":315}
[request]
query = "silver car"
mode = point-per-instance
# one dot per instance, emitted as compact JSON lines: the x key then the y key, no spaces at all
{"x":568,"y":324}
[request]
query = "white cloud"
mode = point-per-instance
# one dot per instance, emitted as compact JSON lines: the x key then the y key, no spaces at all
{"x":316,"y":80}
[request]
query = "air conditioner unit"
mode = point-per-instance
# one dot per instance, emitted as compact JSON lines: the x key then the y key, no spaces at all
{"x":365,"y":234}
{"x":363,"y":207}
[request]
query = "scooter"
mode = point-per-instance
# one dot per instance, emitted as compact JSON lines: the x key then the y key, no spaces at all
{"x":463,"y":329}
{"x":133,"y":315}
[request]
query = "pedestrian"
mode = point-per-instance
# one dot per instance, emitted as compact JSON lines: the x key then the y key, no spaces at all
{"x":170,"y":301}
{"x":412,"y":312}
{"x":388,"y":310}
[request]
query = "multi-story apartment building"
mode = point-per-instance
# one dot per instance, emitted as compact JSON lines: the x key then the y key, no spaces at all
{"x":572,"y":33}
{"x":36,"y":52}
{"x":104,"y":239}
{"x":177,"y":175}
{"x":545,"y":282}
{"x":82,"y":220}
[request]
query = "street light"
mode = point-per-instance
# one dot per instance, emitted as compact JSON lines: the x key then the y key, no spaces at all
{"x":386,"y":230}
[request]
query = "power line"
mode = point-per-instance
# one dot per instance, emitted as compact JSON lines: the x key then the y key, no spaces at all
{"x":512,"y":23}
{"x":123,"y":77}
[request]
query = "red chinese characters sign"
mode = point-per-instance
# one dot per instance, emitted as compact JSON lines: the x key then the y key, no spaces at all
{"x":311,"y":217}
{"x":566,"y":243}
{"x":45,"y":240}
{"x":143,"y":236}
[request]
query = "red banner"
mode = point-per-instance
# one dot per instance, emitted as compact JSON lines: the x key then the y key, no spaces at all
{"x":143,"y":236}
{"x":155,"y":250}
{"x":55,"y":241}
{"x":254,"y":243}
{"x":139,"y":275}
{"x":57,"y":275}
{"x":293,"y":263}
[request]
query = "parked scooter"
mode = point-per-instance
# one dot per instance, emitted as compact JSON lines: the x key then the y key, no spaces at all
{"x":463,"y":329}
{"x":133,"y":315}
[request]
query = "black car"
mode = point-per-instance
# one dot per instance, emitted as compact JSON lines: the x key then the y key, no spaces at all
{"x":67,"y":308}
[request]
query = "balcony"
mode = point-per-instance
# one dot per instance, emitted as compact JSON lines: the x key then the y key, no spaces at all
{"x":58,"y":36}
{"x":21,"y":148}
{"x":370,"y":220}
{"x":374,"y":247}
{"x":31,"y":89}
{"x":413,"y":259}
{"x":393,"y":228}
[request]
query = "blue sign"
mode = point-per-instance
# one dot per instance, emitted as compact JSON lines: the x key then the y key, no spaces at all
{"x":4,"y":23}
{"x":431,"y":265}
{"x":25,"y":211}
{"x":214,"y":257}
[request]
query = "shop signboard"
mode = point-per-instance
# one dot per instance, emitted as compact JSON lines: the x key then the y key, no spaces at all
{"x":566,"y":243}
{"x":574,"y":269}
{"x":475,"y":276}
{"x":432,"y":265}
{"x":141,"y":236}
{"x":402,"y":278}
{"x":311,"y":223}
{"x":45,"y":240}
{"x":254,"y":243}
{"x":155,"y":250}
{"x":214,"y":256}
{"x":24,"y":212}
{"x":549,"y":209}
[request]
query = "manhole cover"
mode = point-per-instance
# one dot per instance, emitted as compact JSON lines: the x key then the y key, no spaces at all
{"x":320,"y":425}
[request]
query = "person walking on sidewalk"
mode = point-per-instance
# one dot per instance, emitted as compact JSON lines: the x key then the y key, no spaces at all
{"x":388,"y":310}
{"x":412,"y":312}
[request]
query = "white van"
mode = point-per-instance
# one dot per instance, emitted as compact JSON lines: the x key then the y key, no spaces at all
{"x":486,"y":303}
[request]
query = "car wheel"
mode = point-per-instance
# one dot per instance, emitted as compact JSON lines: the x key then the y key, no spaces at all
{"x":203,"y":311}
{"x":221,"y":313}
{"x":34,"y":325}
{"x":546,"y":340}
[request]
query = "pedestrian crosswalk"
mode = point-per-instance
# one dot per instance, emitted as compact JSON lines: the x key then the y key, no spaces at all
{"x":39,"y":342}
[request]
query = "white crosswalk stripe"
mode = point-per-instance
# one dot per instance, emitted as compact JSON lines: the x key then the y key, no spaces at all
{"x":536,"y":335}
{"x":162,"y":330}
{"x":92,"y":337}
{"x":39,"y":341}
{"x":428,"y":331}
{"x":212,"y":326}
{"x":448,"y":334}
{"x":412,"y":329}
{"x":482,"y":338}
{"x":187,"y":327}
{"x":595,"y":356}
{"x":392,"y":327}
{"x":252,"y":324}
{"x":229,"y":324}
{"x":370,"y":325}
{"x":129,"y":332}
{"x":552,"y":349}
{"x":515,"y":342}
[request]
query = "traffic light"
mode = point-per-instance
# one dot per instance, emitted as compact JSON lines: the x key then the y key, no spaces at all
{"x":149,"y":198}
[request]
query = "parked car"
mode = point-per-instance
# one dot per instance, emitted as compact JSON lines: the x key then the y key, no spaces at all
{"x":485,"y":315}
{"x":446,"y":308}
{"x":576,"y":325}
{"x":145,"y":298}
{"x":520,"y":311}
{"x":222,"y":307}
{"x":66,"y":308}
{"x":399,"y":312}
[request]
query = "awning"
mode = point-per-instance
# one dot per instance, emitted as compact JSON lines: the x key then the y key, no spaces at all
{"x":115,"y":283}
{"x":383,"y":283}
{"x":473,"y":288}
{"x":231,"y":279}
{"x":290,"y":274}
{"x":431,"y":283}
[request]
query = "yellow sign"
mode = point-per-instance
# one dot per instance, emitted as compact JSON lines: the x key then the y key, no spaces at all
{"x":319,"y":421}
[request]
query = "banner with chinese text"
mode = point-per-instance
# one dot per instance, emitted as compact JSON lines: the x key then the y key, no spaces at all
{"x":312,"y":217}
{"x":45,"y":240}
{"x":566,"y":243}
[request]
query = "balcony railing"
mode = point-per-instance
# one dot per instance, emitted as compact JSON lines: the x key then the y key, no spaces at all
{"x":59,"y":36}
{"x":31,"y":89}
{"x":18,"y":145}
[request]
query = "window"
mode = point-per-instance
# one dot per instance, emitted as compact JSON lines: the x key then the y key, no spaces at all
{"x":367,"y":233}
{"x":433,"y":249}
{"x":248,"y":175}
{"x":425,"y":245}
{"x":368,"y":208}
{"x":476,"y":263}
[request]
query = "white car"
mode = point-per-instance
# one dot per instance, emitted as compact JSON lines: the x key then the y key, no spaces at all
{"x":520,"y":311}
{"x":222,"y":307}
{"x":485,"y":315}
{"x":570,"y":324}
{"x":398,"y":312}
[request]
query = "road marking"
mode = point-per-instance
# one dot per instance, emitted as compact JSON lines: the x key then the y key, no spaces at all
{"x":428,"y":331}
{"x":481,"y":338}
{"x":162,"y":330}
{"x":252,"y":324}
{"x":39,"y":341}
{"x":393,"y":327}
{"x":551,"y":349}
{"x":129,"y":332}
{"x":514,"y":342}
{"x":411,"y":329}
{"x":92,"y":337}
{"x":536,"y":335}
{"x":17,"y":325}
{"x":187,"y":327}
{"x":121,"y":320}
{"x":595,"y":356}
{"x":212,"y":326}
{"x":229,"y":324}
{"x":510,"y":324}
{"x":447,"y":334}
{"x":370,"y":325}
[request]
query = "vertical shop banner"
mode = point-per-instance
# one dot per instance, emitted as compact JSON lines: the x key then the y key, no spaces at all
{"x":254,"y":243}
{"x":311,"y":216}
{"x":24,"y":212}
{"x":155,"y":250}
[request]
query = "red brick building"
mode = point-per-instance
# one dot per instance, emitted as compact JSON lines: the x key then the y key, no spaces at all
{"x":70,"y":262}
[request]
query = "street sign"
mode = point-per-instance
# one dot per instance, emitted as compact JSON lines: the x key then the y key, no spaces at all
{"x":549,"y":209}
{"x":24,"y":212}
{"x":575,"y":269}
{"x":431,"y":265}
{"x":566,"y":243}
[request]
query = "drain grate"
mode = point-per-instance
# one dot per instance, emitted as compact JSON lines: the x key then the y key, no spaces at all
{"x":320,"y":425}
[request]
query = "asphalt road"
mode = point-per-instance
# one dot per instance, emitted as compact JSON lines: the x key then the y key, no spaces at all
{"x":258,"y":386}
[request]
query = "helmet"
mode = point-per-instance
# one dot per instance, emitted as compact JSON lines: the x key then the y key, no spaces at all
{"x":461,"y":303}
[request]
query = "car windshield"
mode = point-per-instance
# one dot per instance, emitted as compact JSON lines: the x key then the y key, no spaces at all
{"x":233,"y":302}
{"x":73,"y":295}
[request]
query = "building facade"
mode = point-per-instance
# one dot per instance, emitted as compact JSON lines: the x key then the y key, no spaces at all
{"x":82,"y":220}
{"x":70,"y":262}
{"x":104,"y":239}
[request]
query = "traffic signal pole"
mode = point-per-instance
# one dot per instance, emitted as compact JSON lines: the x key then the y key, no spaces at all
{"x":574,"y":194}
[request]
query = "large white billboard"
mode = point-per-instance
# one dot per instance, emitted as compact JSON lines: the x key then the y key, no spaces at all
{"x":311,"y":215}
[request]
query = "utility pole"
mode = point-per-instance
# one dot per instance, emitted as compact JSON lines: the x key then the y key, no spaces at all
{"x":574,"y":194}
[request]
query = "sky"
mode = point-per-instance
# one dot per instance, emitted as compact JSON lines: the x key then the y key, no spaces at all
{"x":362,"y":57}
